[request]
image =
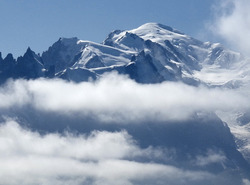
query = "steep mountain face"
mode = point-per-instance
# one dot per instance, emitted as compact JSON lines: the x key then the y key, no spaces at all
{"x":61,"y":54}
{"x":29,"y":66}
{"x":6,"y":67}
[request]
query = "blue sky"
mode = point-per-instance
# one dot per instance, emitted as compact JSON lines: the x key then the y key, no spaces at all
{"x":39,"y":23}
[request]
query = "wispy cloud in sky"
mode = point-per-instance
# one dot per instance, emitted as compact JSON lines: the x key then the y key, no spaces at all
{"x":232,"y":23}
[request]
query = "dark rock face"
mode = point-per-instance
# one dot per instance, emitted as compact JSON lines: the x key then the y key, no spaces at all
{"x":7,"y":67}
{"x":143,"y":70}
{"x":61,"y":54}
{"x":29,"y":66}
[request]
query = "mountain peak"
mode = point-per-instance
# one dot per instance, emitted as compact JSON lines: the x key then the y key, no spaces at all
{"x":68,"y":41}
{"x":29,"y":53}
{"x":29,"y":50}
{"x":9,"y":57}
{"x":157,"y":27}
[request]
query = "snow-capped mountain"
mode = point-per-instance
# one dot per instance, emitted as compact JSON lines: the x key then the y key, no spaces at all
{"x":165,"y":54}
{"x":152,"y":53}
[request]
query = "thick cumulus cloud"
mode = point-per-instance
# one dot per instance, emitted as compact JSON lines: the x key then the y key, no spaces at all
{"x":116,"y":98}
{"x":29,"y":158}
{"x":232,"y":23}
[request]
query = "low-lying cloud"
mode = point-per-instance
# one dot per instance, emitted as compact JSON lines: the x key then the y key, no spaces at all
{"x":101,"y":158}
{"x":116,"y":98}
{"x":210,"y":157}
{"x":104,"y":157}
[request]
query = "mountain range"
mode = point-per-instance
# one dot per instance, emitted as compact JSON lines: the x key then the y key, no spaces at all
{"x":150,"y":54}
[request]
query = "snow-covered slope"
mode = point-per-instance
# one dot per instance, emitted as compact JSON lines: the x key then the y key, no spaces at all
{"x":97,"y":55}
{"x":72,"y":52}
{"x":189,"y":53}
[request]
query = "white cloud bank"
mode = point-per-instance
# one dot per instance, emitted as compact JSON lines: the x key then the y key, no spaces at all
{"x":117,"y":98}
{"x":101,"y":158}
{"x":232,"y":23}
